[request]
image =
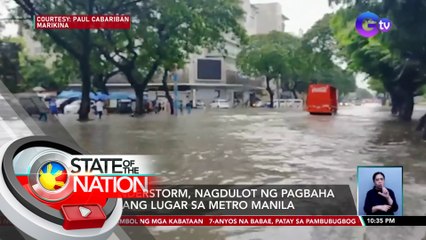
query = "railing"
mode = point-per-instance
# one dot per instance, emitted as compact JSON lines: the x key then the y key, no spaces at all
{"x":296,"y":104}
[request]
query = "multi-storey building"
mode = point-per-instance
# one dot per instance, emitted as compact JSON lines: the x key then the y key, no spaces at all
{"x":208,"y":75}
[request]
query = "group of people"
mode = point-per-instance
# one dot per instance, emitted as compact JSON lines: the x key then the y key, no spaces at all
{"x":54,"y":110}
{"x":157,"y":106}
{"x":99,"y":107}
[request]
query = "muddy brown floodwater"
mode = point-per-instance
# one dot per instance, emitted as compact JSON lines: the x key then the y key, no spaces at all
{"x":260,"y":146}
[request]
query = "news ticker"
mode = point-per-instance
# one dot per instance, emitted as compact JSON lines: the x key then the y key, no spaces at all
{"x":356,"y":221}
{"x":63,"y":22}
{"x":194,"y":221}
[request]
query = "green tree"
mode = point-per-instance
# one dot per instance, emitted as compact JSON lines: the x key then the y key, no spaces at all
{"x":172,"y":30}
{"x":9,"y":64}
{"x":36,"y":73}
{"x":396,"y":58}
{"x":270,"y":56}
{"x":367,"y":55}
{"x":77,"y":44}
{"x":320,"y":56}
{"x":376,"y":85}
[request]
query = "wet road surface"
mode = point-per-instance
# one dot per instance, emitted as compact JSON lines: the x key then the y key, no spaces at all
{"x":260,"y":146}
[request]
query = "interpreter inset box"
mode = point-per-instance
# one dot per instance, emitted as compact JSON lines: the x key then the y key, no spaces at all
{"x":380,"y":190}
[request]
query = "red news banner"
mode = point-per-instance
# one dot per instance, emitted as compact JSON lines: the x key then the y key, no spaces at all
{"x":63,"y":22}
{"x":240,"y":221}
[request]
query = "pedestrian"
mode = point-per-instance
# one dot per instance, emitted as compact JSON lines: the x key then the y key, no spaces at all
{"x":157,"y":107}
{"x":99,"y":108}
{"x":43,"y":116}
{"x":53,"y":107}
{"x":160,"y":107}
{"x":41,"y":108}
{"x":189,"y":107}
{"x":181,"y":107}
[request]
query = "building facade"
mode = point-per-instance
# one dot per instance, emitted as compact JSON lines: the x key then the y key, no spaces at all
{"x":269,"y":18}
{"x":258,"y":19}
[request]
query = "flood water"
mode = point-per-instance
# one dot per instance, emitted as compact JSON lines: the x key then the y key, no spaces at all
{"x":261,"y":146}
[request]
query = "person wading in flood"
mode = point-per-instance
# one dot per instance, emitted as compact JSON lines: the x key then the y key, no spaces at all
{"x":99,"y":108}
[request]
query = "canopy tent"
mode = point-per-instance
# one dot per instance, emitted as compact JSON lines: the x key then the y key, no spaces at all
{"x":98,"y":95}
{"x":69,"y":94}
{"x":120,"y":95}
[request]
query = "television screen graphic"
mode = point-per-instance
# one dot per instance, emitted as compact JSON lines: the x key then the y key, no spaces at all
{"x":209,"y":69}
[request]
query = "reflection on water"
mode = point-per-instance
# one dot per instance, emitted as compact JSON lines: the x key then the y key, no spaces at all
{"x":256,"y":146}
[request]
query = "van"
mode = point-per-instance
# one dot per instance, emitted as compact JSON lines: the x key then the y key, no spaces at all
{"x":322,"y":99}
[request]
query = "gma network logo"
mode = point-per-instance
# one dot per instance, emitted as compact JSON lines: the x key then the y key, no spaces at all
{"x":369,"y":24}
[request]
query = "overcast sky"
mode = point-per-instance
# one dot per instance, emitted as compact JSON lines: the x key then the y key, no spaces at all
{"x":302,"y":14}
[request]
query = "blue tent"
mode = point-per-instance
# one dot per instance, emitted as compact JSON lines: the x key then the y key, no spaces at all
{"x":118,"y":95}
{"x":99,"y":95}
{"x":77,"y":94}
{"x":69,"y":94}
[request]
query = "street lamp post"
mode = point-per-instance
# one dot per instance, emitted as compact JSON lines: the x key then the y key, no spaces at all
{"x":278,"y":91}
{"x":175,"y":90}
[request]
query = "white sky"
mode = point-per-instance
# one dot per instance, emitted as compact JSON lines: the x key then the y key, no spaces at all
{"x":11,"y":29}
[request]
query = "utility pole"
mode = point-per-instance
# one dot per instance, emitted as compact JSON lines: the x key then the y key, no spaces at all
{"x":175,"y":90}
{"x":278,"y":90}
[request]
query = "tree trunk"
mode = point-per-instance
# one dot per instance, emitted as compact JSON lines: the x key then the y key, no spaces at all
{"x":293,"y":89}
{"x":138,"y":88}
{"x":85,"y":88}
{"x":132,"y":74}
{"x":271,"y":93}
{"x":85,"y":69}
{"x":407,"y":106}
{"x":99,"y":82}
{"x":384,"y":99}
{"x":140,"y":103}
{"x":167,"y":92}
{"x":396,"y":102}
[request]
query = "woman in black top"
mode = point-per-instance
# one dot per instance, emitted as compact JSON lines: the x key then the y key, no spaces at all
{"x":380,"y":200}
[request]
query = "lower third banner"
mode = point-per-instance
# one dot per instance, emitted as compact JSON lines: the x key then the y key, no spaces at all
{"x":240,"y":221}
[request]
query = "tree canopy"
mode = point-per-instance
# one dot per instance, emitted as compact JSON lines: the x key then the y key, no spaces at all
{"x":164,"y":33}
{"x":295,"y":61}
{"x":396,"y":58}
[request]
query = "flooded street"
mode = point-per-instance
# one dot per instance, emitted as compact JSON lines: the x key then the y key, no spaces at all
{"x":260,"y":146}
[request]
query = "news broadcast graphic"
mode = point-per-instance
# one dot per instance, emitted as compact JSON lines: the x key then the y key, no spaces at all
{"x":53,"y":190}
{"x":380,"y":190}
{"x":58,"y":22}
{"x":394,"y":220}
{"x":369,"y":24}
{"x":233,"y":205}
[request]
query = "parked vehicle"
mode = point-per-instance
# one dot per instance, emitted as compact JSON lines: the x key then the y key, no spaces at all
{"x":322,"y":99}
{"x":220,"y":103}
{"x":73,"y":107}
{"x":61,"y":103}
{"x":258,"y":104}
{"x":358,"y":102}
{"x":198,"y":104}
